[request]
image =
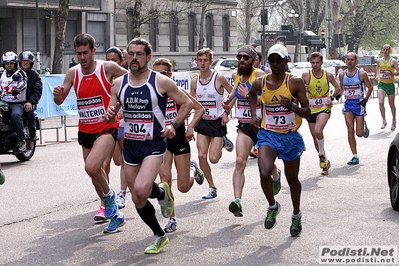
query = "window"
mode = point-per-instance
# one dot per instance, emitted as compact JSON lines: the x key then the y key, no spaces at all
{"x":209,"y":31}
{"x":191,"y":32}
{"x":29,"y":35}
{"x":70,"y":32}
{"x":153,"y":30}
{"x":97,"y":30}
{"x":173,"y":31}
{"x":226,"y":32}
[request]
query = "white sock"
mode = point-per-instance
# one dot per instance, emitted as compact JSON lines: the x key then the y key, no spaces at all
{"x":320,"y":143}
{"x":299,"y":215}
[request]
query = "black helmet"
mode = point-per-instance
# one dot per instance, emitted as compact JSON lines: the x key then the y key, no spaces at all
{"x":26,"y":55}
{"x":9,"y":57}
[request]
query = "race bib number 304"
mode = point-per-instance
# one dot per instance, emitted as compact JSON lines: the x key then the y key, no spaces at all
{"x":139,"y":126}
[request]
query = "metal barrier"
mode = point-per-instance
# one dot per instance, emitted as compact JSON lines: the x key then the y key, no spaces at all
{"x":57,"y":123}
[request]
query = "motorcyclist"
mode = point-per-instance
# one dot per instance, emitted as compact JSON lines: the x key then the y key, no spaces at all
{"x":34,"y":89}
{"x":13,"y":85}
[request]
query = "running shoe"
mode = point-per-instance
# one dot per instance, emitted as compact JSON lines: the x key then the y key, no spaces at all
{"x":110,"y":204}
{"x":366,"y":131}
{"x":100,"y":215}
{"x":353,"y":161}
{"x":384,"y":124}
{"x":171,"y":226}
{"x":199,"y":174}
{"x":211,"y":193}
{"x":393,"y":127}
{"x":270,"y":220}
{"x":156,"y":245}
{"x":228,"y":144}
{"x":235,"y":207}
{"x":296,"y":226}
{"x":2,"y":177}
{"x":117,"y":221}
{"x":322,"y":160}
{"x":325,"y":169}
{"x":254,"y":153}
{"x":277,"y":183}
{"x":167,"y":204}
{"x":120,"y":201}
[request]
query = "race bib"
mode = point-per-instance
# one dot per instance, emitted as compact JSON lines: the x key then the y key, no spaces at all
{"x":243,"y":111}
{"x":139,"y":125}
{"x":91,"y":110}
{"x":352,"y":91}
{"x":385,"y":75}
{"x":211,"y":110}
{"x":317,"y":102}
{"x":279,"y":118}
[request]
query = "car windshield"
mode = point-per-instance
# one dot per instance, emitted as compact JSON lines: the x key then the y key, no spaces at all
{"x":229,"y":63}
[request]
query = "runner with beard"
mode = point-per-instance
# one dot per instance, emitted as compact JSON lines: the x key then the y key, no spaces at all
{"x":246,"y":135}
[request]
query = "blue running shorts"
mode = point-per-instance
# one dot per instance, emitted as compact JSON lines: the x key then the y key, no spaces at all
{"x":289,"y":146}
{"x":354,"y":107}
{"x":134,"y":152}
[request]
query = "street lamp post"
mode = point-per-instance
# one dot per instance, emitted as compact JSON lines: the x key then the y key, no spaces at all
{"x":264,"y":22}
{"x":293,"y":14}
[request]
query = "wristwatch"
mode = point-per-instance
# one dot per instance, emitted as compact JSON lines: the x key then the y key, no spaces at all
{"x":175,"y":125}
{"x":293,"y":106}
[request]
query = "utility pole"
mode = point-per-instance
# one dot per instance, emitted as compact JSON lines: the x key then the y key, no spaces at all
{"x":328,"y":38}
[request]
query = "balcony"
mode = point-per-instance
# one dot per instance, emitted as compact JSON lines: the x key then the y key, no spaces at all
{"x":53,"y":4}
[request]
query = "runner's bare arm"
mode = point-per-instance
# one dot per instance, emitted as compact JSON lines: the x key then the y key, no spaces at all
{"x":113,"y":70}
{"x":365,"y":78}
{"x":114,"y":105}
{"x":297,"y":87}
{"x":61,"y":92}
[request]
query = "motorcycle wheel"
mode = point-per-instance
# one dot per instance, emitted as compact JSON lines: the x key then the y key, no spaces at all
{"x":28,"y":154}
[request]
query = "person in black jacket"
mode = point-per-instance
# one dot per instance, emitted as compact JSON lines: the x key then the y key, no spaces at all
{"x":33,"y":91}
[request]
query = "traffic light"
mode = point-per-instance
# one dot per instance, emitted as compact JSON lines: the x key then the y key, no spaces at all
{"x":349,"y":38}
{"x":263,"y":17}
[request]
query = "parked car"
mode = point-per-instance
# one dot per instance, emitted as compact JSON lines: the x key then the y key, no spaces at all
{"x":393,"y":172}
{"x":223,"y":64}
{"x":302,"y":65}
{"x":333,"y":63}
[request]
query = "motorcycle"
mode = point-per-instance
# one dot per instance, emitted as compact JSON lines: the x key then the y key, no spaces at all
{"x":8,"y":136}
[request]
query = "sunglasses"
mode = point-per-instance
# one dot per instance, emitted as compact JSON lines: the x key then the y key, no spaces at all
{"x":9,"y":63}
{"x":164,"y":72}
{"x":246,"y":57}
{"x":276,"y":60}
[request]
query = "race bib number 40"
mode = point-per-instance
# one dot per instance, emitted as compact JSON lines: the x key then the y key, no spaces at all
{"x":243,"y":111}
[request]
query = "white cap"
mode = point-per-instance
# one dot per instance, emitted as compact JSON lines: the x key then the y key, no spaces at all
{"x":278,"y":49}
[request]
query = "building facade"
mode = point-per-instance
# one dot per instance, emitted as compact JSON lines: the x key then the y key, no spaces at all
{"x":172,"y":27}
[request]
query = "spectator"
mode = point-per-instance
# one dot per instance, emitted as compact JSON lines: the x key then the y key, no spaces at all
{"x":73,"y":63}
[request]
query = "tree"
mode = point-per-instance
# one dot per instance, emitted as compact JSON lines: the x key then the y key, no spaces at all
{"x":60,"y":24}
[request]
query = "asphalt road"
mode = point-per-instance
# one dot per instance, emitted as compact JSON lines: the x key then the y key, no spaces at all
{"x":48,"y":204}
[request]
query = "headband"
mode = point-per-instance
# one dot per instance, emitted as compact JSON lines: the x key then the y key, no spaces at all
{"x":250,"y":52}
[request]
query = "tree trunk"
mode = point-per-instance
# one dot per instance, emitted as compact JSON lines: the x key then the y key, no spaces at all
{"x":202,"y":25}
{"x":60,"y":25}
{"x":136,"y":18}
{"x":248,"y":11}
